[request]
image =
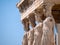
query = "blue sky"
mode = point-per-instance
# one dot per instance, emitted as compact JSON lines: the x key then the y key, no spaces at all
{"x":11,"y":28}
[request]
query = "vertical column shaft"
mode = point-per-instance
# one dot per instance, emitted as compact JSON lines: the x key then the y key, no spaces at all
{"x":48,"y":33}
{"x":38,"y":34}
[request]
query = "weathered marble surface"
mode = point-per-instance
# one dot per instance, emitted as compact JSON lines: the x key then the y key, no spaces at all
{"x":48,"y":34}
{"x":38,"y":34}
{"x":26,"y":24}
{"x":41,"y":34}
{"x":25,"y":40}
{"x":30,"y":37}
{"x":32,"y":20}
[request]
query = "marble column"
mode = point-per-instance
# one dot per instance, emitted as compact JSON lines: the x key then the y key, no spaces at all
{"x":25,"y":40}
{"x":26,"y":24}
{"x":30,"y":37}
{"x":38,"y":34}
{"x":48,"y":32}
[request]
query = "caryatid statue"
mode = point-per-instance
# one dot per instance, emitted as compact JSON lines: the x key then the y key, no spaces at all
{"x":39,"y":15}
{"x":30,"y":37}
{"x":48,"y":32}
{"x":25,"y":40}
{"x":31,"y":18}
{"x":26,"y":24}
{"x":38,"y":34}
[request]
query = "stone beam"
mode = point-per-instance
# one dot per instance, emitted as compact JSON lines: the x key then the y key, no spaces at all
{"x":35,"y":5}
